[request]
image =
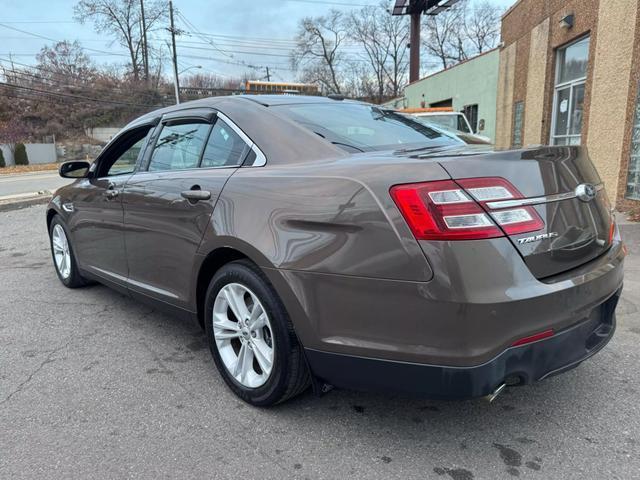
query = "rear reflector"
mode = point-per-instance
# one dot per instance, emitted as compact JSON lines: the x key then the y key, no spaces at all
{"x":533,"y":338}
{"x":457,"y":210}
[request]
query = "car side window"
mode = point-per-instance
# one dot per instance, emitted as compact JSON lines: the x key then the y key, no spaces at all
{"x":179,"y":146}
{"x":225,"y":148}
{"x":122,"y":156}
{"x":126,"y":163}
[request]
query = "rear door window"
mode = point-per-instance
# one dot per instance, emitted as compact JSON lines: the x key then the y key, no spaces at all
{"x":224,"y":148}
{"x":179,"y":147}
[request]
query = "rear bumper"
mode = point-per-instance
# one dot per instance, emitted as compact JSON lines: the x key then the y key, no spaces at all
{"x":516,"y":365}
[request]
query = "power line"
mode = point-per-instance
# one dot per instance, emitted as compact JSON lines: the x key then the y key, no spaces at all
{"x":40,"y":21}
{"x":239,"y":52}
{"x":261,"y":45}
{"x":44,"y":70}
{"x":197,"y":32}
{"x":340,"y":4}
{"x":231,"y":62}
{"x":78,"y":97}
{"x":58,"y":41}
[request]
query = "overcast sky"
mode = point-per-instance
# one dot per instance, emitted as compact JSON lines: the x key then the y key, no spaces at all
{"x":245,"y":32}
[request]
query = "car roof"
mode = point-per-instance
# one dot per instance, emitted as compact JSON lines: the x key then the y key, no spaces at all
{"x":257,"y":100}
{"x":274,"y":100}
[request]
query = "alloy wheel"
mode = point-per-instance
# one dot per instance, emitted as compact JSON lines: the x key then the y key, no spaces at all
{"x":243,"y":335}
{"x":61,"y":251}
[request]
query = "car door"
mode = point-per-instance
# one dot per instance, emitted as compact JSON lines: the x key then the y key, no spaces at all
{"x":97,"y":227}
{"x":168,"y":206}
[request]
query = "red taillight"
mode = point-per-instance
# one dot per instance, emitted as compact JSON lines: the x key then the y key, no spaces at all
{"x":533,"y":338}
{"x":442,"y":211}
{"x":612,"y":230}
{"x":513,"y":221}
{"x":448,"y":210}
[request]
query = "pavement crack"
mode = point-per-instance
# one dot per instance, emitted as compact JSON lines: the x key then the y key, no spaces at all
{"x":25,"y":383}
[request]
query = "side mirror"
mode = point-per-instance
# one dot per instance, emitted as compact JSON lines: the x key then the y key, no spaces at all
{"x":74,"y":169}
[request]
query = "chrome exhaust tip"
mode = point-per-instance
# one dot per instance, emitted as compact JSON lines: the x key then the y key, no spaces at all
{"x":492,"y":396}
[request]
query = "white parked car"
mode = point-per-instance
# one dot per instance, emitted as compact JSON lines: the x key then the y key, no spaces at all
{"x":450,"y":121}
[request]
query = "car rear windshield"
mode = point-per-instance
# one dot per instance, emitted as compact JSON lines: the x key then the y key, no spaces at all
{"x":362,"y":127}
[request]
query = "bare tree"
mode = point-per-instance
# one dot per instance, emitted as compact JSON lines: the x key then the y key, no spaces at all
{"x":65,"y":62}
{"x":444,"y":39}
{"x":396,"y":28}
{"x":203,"y":80}
{"x":462,"y":31}
{"x":482,"y":26}
{"x":13,"y":132}
{"x":358,"y":81}
{"x":365,"y":27}
{"x":122,"y":19}
{"x":383,"y":39}
{"x":318,"y":50}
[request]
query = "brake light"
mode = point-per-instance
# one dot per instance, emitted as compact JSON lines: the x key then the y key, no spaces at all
{"x":533,"y":338}
{"x":457,"y":210}
{"x":442,"y":211}
{"x":513,"y":221}
{"x":612,"y":231}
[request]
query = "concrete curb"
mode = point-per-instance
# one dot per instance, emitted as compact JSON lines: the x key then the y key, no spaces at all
{"x":28,"y":174}
{"x":23,"y":200}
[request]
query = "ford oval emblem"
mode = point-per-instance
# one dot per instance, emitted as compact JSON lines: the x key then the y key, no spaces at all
{"x":585,"y":192}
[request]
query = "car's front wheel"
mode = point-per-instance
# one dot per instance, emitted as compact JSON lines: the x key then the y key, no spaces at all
{"x":63,"y":258}
{"x":251,"y":337}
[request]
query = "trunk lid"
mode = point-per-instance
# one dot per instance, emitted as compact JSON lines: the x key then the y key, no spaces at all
{"x":562,"y":186}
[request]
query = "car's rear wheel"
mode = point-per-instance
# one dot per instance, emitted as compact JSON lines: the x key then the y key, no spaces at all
{"x":251,"y":337}
{"x":62,"y":253}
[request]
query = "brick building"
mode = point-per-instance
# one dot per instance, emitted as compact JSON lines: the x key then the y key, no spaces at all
{"x":569,"y":74}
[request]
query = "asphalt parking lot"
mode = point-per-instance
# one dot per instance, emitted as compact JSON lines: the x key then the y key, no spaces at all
{"x":94,"y":385}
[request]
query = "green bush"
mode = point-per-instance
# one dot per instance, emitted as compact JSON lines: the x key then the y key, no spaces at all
{"x":20,"y":155}
{"x":2,"y":162}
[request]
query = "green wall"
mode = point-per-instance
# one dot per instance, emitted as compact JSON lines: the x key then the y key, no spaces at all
{"x":471,"y":82}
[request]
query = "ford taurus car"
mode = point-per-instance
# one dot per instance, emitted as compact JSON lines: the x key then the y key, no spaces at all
{"x":328,"y":242}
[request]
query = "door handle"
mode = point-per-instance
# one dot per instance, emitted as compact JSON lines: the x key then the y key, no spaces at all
{"x":111,"y":192}
{"x":196,"y":195}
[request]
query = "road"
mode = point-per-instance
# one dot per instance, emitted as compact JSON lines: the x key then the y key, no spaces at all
{"x":30,"y":182}
{"x":95,"y":385}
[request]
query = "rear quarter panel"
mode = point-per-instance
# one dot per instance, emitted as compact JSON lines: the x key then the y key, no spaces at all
{"x":327,"y":220}
{"x":333,"y":217}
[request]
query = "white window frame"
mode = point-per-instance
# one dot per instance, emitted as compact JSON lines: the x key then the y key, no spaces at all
{"x":572,"y":84}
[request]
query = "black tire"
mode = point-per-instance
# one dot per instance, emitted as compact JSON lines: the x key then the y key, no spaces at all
{"x":289,"y":375}
{"x":74,"y":279}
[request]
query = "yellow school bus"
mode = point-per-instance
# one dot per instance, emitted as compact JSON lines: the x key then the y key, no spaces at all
{"x":258,"y":86}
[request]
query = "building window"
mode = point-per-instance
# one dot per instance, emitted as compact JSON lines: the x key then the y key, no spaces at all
{"x":471,"y":112}
{"x":518,"y":117}
{"x":633,"y":176}
{"x":442,"y":104}
{"x":568,"y":99}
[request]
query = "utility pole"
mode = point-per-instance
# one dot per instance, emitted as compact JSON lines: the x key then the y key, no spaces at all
{"x":145,"y":49}
{"x":175,"y":55}
{"x":415,"y":8}
{"x":414,"y":49}
{"x":268,"y":77}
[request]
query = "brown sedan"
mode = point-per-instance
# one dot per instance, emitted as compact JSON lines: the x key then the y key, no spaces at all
{"x":330,"y":242}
